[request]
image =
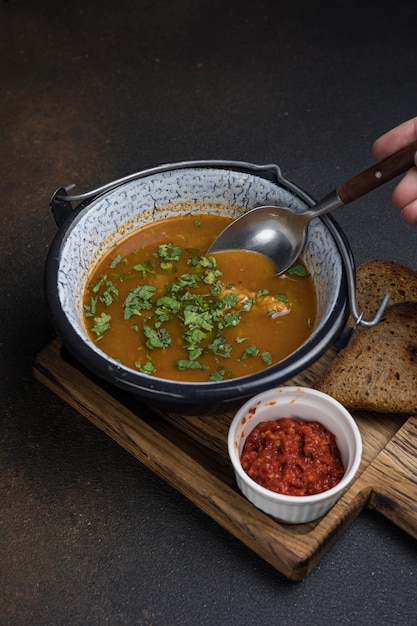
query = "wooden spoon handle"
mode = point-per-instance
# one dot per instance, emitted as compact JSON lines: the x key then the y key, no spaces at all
{"x":378,"y":174}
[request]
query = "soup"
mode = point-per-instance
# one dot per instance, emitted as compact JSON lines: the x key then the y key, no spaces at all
{"x":157,"y":303}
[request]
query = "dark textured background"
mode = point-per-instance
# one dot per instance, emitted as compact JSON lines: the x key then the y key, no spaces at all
{"x":89,"y":92}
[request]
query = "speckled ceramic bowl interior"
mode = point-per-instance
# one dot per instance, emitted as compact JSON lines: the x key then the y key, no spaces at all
{"x":92,"y":230}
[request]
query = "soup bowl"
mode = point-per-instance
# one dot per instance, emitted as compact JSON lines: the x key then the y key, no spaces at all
{"x":91,"y":223}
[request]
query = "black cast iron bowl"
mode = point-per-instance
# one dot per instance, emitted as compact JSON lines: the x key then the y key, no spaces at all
{"x":101,"y":217}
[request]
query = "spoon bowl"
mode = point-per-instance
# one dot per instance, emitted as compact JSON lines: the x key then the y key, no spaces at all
{"x":280,"y":233}
{"x":276,"y":232}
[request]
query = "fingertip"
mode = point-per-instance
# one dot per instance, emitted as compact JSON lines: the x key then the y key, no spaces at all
{"x":409,"y":213}
{"x":379,"y":150}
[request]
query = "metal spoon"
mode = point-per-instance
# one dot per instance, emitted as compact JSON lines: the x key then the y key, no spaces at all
{"x":280,"y":233}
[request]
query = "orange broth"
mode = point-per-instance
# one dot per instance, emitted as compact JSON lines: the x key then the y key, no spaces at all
{"x":158,"y":304}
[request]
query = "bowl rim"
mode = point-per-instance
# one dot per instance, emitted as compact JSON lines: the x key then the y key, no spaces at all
{"x":280,"y":498}
{"x":190,"y":392}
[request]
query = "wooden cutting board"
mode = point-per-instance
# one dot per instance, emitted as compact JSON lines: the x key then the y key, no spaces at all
{"x":190,"y":453}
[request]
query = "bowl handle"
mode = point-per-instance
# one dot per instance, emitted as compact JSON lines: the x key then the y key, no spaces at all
{"x":60,"y":205}
{"x":351,"y":286}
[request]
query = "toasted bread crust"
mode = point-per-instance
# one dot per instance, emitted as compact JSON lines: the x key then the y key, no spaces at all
{"x":377,"y":371}
{"x":376,"y":278}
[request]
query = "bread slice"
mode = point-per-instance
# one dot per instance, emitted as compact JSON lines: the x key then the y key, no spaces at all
{"x":375,"y":278}
{"x":377,"y":370}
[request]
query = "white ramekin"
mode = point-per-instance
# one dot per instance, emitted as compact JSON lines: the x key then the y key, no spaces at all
{"x":306,"y":404}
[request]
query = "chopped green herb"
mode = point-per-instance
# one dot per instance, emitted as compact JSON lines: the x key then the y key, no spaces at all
{"x":230,"y":299}
{"x":298,"y":269}
{"x":147,"y":367}
{"x":137,"y":300}
{"x":156,"y":338}
{"x":266,"y":357}
{"x":211,"y":277}
{"x":144,"y":268}
{"x":249,"y":351}
{"x":90,"y":309}
{"x":185,"y":280}
{"x":217,"y":376}
{"x":169,"y":252}
{"x":247,"y":305}
{"x":230,"y":319}
{"x":221,"y":348}
{"x":117,"y":259}
{"x":252,"y":351}
{"x":202,"y":261}
{"x":110,"y":294}
{"x":200,"y":320}
{"x":101,"y":324}
{"x":96,"y":288}
{"x":168,"y":266}
{"x":193,"y":337}
{"x":168,"y":303}
{"x":194,"y":353}
{"x":184,"y":364}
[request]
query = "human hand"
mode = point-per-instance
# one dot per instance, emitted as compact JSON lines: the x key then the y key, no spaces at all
{"x":404,"y":196}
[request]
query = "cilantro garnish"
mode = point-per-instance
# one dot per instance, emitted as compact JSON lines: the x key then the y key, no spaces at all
{"x":101,"y":324}
{"x":147,"y":367}
{"x":169,"y":252}
{"x":90,"y":309}
{"x":144,"y":268}
{"x":230,"y":319}
{"x":110,"y":294}
{"x":221,"y":348}
{"x":266,"y":357}
{"x":156,"y":338}
{"x":249,"y":351}
{"x":252,"y":351}
{"x":117,"y":259}
{"x":230,"y":299}
{"x":196,"y":319}
{"x":298,"y":269}
{"x":248,"y":304}
{"x":185,"y":364}
{"x":137,"y":300}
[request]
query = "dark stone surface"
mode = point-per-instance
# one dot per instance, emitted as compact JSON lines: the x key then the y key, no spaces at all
{"x":90,"y":91}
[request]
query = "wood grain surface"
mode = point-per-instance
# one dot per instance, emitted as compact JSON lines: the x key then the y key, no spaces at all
{"x":190,"y":453}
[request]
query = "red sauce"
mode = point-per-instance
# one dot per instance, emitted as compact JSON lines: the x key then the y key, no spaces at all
{"x":292,"y":457}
